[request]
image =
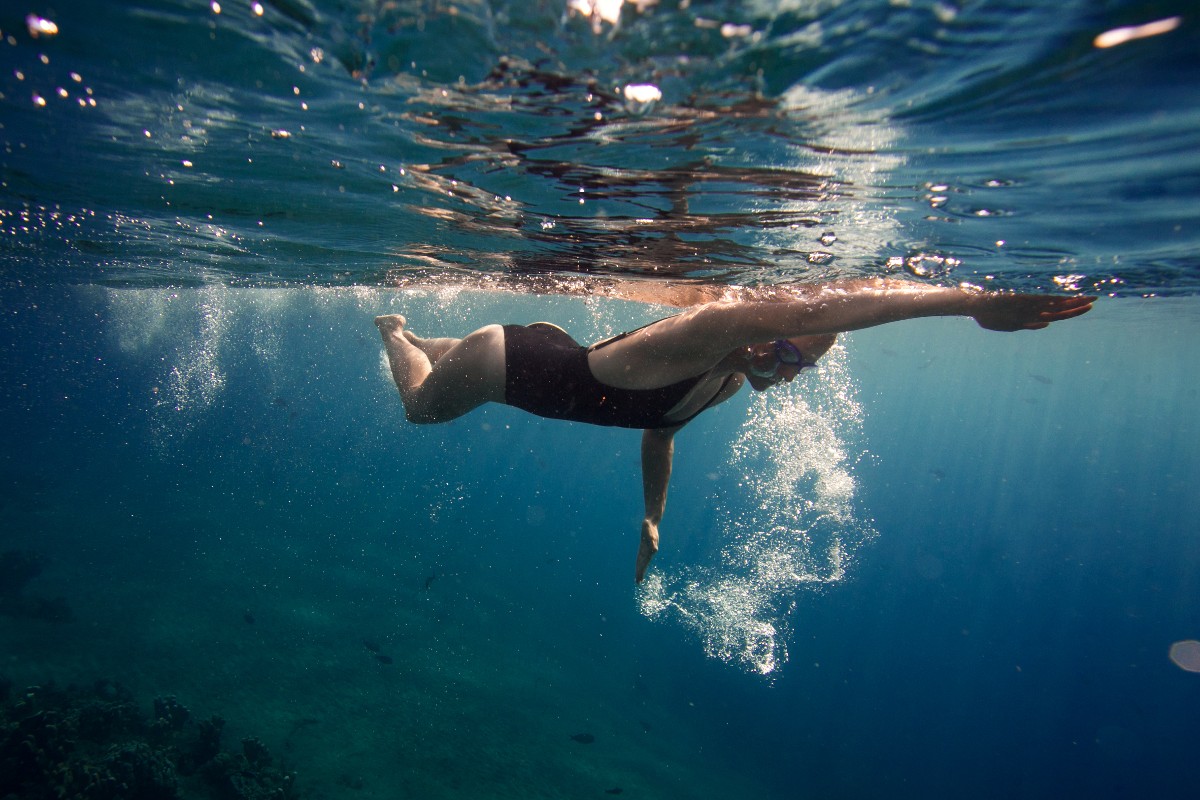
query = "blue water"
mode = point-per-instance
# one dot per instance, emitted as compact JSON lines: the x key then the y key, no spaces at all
{"x":951,"y":563}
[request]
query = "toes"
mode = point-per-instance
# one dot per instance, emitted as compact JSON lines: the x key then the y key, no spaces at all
{"x":389,"y":322}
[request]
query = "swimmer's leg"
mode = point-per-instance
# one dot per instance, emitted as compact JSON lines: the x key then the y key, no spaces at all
{"x":410,"y":365}
{"x":433,"y":348}
{"x":466,"y":375}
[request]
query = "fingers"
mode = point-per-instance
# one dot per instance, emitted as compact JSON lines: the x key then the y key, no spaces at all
{"x":647,"y":547}
{"x":1078,"y":304}
{"x":1066,"y":308}
{"x":1014,"y":312}
{"x":1056,"y":309}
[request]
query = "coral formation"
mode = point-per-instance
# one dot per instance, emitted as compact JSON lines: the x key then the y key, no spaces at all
{"x":95,"y":744}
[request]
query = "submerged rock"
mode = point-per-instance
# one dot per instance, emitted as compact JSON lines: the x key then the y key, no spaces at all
{"x":18,"y":568}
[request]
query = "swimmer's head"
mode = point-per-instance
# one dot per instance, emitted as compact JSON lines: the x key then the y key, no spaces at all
{"x":784,"y":359}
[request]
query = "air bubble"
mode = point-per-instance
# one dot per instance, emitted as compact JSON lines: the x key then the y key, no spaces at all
{"x":1186,"y":655}
{"x":641,"y":97}
{"x":927,"y":265}
{"x":40,"y":26}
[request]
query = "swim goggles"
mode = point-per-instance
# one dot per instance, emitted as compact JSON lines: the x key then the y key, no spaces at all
{"x":785,"y":353}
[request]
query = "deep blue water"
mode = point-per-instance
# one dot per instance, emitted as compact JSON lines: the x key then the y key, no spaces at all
{"x":949,"y":564}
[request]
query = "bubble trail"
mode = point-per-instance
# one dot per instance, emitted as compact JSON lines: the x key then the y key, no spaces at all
{"x":793,"y":526}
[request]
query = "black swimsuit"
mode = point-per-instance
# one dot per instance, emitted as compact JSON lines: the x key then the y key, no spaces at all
{"x":547,"y":373}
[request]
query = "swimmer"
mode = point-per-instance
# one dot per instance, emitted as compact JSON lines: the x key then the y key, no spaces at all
{"x":661,"y":376}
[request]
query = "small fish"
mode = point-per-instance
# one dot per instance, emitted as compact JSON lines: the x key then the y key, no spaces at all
{"x":367,"y":643}
{"x":384,"y":659}
{"x":429,"y":581}
{"x":248,"y":617}
{"x":614,"y":790}
{"x":583,"y":738}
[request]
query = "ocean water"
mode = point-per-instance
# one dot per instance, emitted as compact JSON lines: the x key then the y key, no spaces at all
{"x":949,"y":563}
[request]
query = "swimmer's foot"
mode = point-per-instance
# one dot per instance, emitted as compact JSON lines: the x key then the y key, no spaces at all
{"x":389,"y":324}
{"x":396,"y":335}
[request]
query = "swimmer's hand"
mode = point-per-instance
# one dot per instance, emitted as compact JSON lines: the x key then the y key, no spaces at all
{"x":1025,"y":312}
{"x":646,"y":549}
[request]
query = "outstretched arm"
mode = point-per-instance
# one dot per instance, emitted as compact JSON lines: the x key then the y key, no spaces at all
{"x":693,"y":341}
{"x":862,"y":303}
{"x":658,"y":450}
{"x":855,"y":304}
{"x":848,"y":303}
